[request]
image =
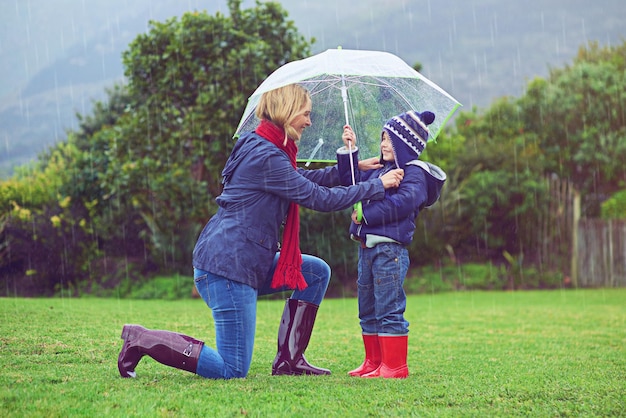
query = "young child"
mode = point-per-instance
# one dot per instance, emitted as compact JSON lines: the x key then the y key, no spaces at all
{"x":384,"y":229}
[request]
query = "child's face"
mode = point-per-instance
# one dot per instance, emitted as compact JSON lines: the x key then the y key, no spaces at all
{"x":385,"y":147}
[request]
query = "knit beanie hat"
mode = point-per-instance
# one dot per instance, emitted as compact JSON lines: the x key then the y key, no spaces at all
{"x":409,"y":135}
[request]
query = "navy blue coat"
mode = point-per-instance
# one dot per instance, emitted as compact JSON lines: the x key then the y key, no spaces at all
{"x":240,"y":241}
{"x":394,"y":216}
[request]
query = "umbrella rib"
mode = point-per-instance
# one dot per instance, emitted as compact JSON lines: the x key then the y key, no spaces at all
{"x":401,"y":94}
{"x":317,"y":82}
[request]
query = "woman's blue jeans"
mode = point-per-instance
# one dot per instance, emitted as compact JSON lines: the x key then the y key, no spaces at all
{"x":382,"y":300}
{"x":233,"y":306}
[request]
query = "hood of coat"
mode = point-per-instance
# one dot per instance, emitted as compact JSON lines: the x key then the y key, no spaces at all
{"x":435,"y":178}
{"x":238,"y":154}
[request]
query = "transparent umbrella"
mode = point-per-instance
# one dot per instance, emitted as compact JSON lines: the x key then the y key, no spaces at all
{"x":361,"y":88}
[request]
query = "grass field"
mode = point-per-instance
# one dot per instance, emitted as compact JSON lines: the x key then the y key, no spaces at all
{"x":539,"y":353}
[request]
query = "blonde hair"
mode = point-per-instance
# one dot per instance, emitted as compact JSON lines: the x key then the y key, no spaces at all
{"x":281,"y":106}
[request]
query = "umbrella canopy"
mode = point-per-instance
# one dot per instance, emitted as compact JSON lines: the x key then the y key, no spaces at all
{"x":361,"y":88}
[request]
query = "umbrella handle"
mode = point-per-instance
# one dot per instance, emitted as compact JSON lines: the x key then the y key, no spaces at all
{"x":358,"y":206}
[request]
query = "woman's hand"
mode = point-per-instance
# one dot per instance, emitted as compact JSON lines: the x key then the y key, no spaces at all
{"x":348,"y":137}
{"x":392,"y":178}
{"x":370,"y":164}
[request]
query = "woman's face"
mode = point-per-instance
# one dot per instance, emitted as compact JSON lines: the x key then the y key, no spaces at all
{"x":302,"y":119}
{"x":386,"y":148}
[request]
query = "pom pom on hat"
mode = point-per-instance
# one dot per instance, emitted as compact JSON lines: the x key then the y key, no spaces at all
{"x":427,"y":117}
{"x":409,"y":134}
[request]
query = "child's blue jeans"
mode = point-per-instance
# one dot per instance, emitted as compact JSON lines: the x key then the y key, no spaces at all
{"x":382,"y":300}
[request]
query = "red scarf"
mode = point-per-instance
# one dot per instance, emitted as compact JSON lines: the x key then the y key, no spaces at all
{"x":289,"y":268}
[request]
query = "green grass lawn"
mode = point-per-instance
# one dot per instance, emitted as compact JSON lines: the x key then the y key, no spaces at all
{"x":539,"y":353}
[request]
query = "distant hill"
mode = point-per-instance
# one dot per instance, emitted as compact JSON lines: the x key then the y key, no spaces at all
{"x":57,"y":57}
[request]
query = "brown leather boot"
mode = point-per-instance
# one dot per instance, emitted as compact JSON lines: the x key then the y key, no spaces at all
{"x":372,"y":356}
{"x":169,"y":348}
{"x":294,"y":334}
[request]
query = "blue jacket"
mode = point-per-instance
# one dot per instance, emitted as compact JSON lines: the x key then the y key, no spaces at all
{"x":240,"y":241}
{"x":394,"y":216}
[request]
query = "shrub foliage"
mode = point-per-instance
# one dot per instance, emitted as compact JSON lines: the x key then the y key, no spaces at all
{"x":125,"y":196}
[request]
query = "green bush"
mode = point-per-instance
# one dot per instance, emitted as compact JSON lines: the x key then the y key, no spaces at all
{"x":450,"y":277}
{"x":615,"y":206}
{"x":427,"y":280}
{"x":166,"y":288}
{"x":475,"y":276}
{"x":531,"y":278}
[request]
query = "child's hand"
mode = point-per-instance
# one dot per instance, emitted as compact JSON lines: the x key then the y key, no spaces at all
{"x":355,"y":217}
{"x":393,"y":178}
{"x":348,"y":137}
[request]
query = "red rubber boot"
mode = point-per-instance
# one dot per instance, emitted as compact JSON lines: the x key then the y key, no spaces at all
{"x":394,"y":353}
{"x":372,"y":356}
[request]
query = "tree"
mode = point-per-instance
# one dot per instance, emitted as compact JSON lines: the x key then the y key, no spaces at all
{"x":189,"y":80}
{"x":147,"y":164}
{"x":579,"y":118}
{"x":46,"y":239}
{"x":570,"y":126}
{"x":615,"y":206}
{"x":493,"y":191}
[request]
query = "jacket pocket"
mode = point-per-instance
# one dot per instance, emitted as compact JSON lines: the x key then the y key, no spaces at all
{"x":259,"y":237}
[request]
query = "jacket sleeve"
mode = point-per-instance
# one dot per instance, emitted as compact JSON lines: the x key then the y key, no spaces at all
{"x":281,"y":179}
{"x":338,"y":174}
{"x":328,"y":176}
{"x":402,"y":203}
{"x":345,"y":168}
